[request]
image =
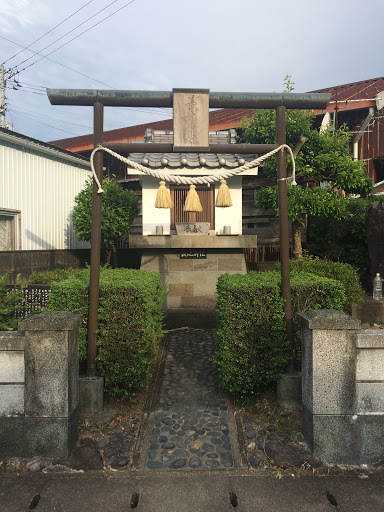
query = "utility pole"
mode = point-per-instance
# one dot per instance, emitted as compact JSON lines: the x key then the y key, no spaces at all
{"x":2,"y":106}
{"x":6,"y":75}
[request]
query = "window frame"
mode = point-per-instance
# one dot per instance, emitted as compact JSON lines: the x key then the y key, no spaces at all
{"x":15,"y":216}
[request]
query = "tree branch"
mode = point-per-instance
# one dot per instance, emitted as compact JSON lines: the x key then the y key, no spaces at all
{"x":299,"y":145}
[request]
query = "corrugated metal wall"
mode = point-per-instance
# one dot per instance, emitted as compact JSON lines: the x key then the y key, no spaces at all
{"x":42,"y":187}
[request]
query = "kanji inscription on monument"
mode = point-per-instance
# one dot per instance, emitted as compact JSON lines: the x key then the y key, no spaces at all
{"x":190,"y":119}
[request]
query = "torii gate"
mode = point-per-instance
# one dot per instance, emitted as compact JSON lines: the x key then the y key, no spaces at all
{"x":160,"y":99}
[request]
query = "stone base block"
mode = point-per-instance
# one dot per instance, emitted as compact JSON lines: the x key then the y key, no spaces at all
{"x":345,"y":439}
{"x":91,"y":394}
{"x":45,"y":437}
{"x":289,"y":390}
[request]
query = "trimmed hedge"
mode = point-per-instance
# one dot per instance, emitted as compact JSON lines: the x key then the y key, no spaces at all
{"x":252,"y":350}
{"x":51,"y":276}
{"x":130,"y":322}
{"x":346,"y":274}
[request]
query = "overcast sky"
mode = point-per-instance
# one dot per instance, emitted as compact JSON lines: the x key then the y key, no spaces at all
{"x":221,"y":45}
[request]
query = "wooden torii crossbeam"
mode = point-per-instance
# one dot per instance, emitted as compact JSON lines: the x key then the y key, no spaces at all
{"x":160,"y":99}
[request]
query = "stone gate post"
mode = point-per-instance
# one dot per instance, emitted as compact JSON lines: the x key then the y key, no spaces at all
{"x":328,"y":383}
{"x":43,"y":419}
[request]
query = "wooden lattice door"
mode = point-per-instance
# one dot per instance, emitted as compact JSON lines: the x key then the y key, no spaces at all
{"x":206,"y":196}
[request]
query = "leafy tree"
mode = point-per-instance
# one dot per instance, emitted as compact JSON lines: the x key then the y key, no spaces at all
{"x":320,"y":157}
{"x":119,"y":208}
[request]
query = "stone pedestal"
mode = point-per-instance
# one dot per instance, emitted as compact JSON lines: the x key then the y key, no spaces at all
{"x":189,"y":266}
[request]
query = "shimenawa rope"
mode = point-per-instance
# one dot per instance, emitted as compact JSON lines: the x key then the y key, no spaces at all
{"x":186,"y":180}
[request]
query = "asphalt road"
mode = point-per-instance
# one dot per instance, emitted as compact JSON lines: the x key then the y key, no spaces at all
{"x":217,"y":491}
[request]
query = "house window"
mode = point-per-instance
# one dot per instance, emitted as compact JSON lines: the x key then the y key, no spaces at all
{"x":8,"y":230}
{"x":206,"y":196}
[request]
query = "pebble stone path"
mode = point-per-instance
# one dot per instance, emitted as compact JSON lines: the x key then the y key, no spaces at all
{"x":190,"y":427}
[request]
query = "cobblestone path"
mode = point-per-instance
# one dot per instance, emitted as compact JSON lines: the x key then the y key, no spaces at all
{"x":190,"y":425}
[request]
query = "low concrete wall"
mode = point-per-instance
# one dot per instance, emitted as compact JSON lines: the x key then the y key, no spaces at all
{"x":26,"y":262}
{"x":343,"y":388}
{"x":39,"y":395}
{"x":369,"y":311}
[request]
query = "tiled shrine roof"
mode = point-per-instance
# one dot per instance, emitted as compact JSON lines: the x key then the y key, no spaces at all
{"x":191,"y":160}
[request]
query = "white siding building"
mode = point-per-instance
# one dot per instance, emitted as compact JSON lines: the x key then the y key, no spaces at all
{"x":38,"y":184}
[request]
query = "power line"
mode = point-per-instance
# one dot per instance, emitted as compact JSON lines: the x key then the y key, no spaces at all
{"x":156,"y":112}
{"x":147,"y":111}
{"x":35,"y":85}
{"x":59,"y":63}
{"x":45,"y":124}
{"x":17,"y":85}
{"x":25,"y":90}
{"x":31,"y":112}
{"x":31,"y":87}
{"x":88,"y":29}
{"x":49,"y":31}
{"x":69,"y":32}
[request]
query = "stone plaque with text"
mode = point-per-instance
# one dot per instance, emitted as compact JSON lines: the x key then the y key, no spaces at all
{"x":193,"y":254}
{"x":191,"y":119}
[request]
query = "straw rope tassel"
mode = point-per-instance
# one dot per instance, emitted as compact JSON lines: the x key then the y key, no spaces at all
{"x":223,"y":199}
{"x":192,"y":201}
{"x":163,"y":197}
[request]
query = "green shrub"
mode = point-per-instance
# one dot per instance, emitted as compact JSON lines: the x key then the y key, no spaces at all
{"x":72,"y":295}
{"x":10,"y":300}
{"x":343,"y":240}
{"x":130,"y":321}
{"x":51,"y":276}
{"x":342,"y":272}
{"x":252,"y":350}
